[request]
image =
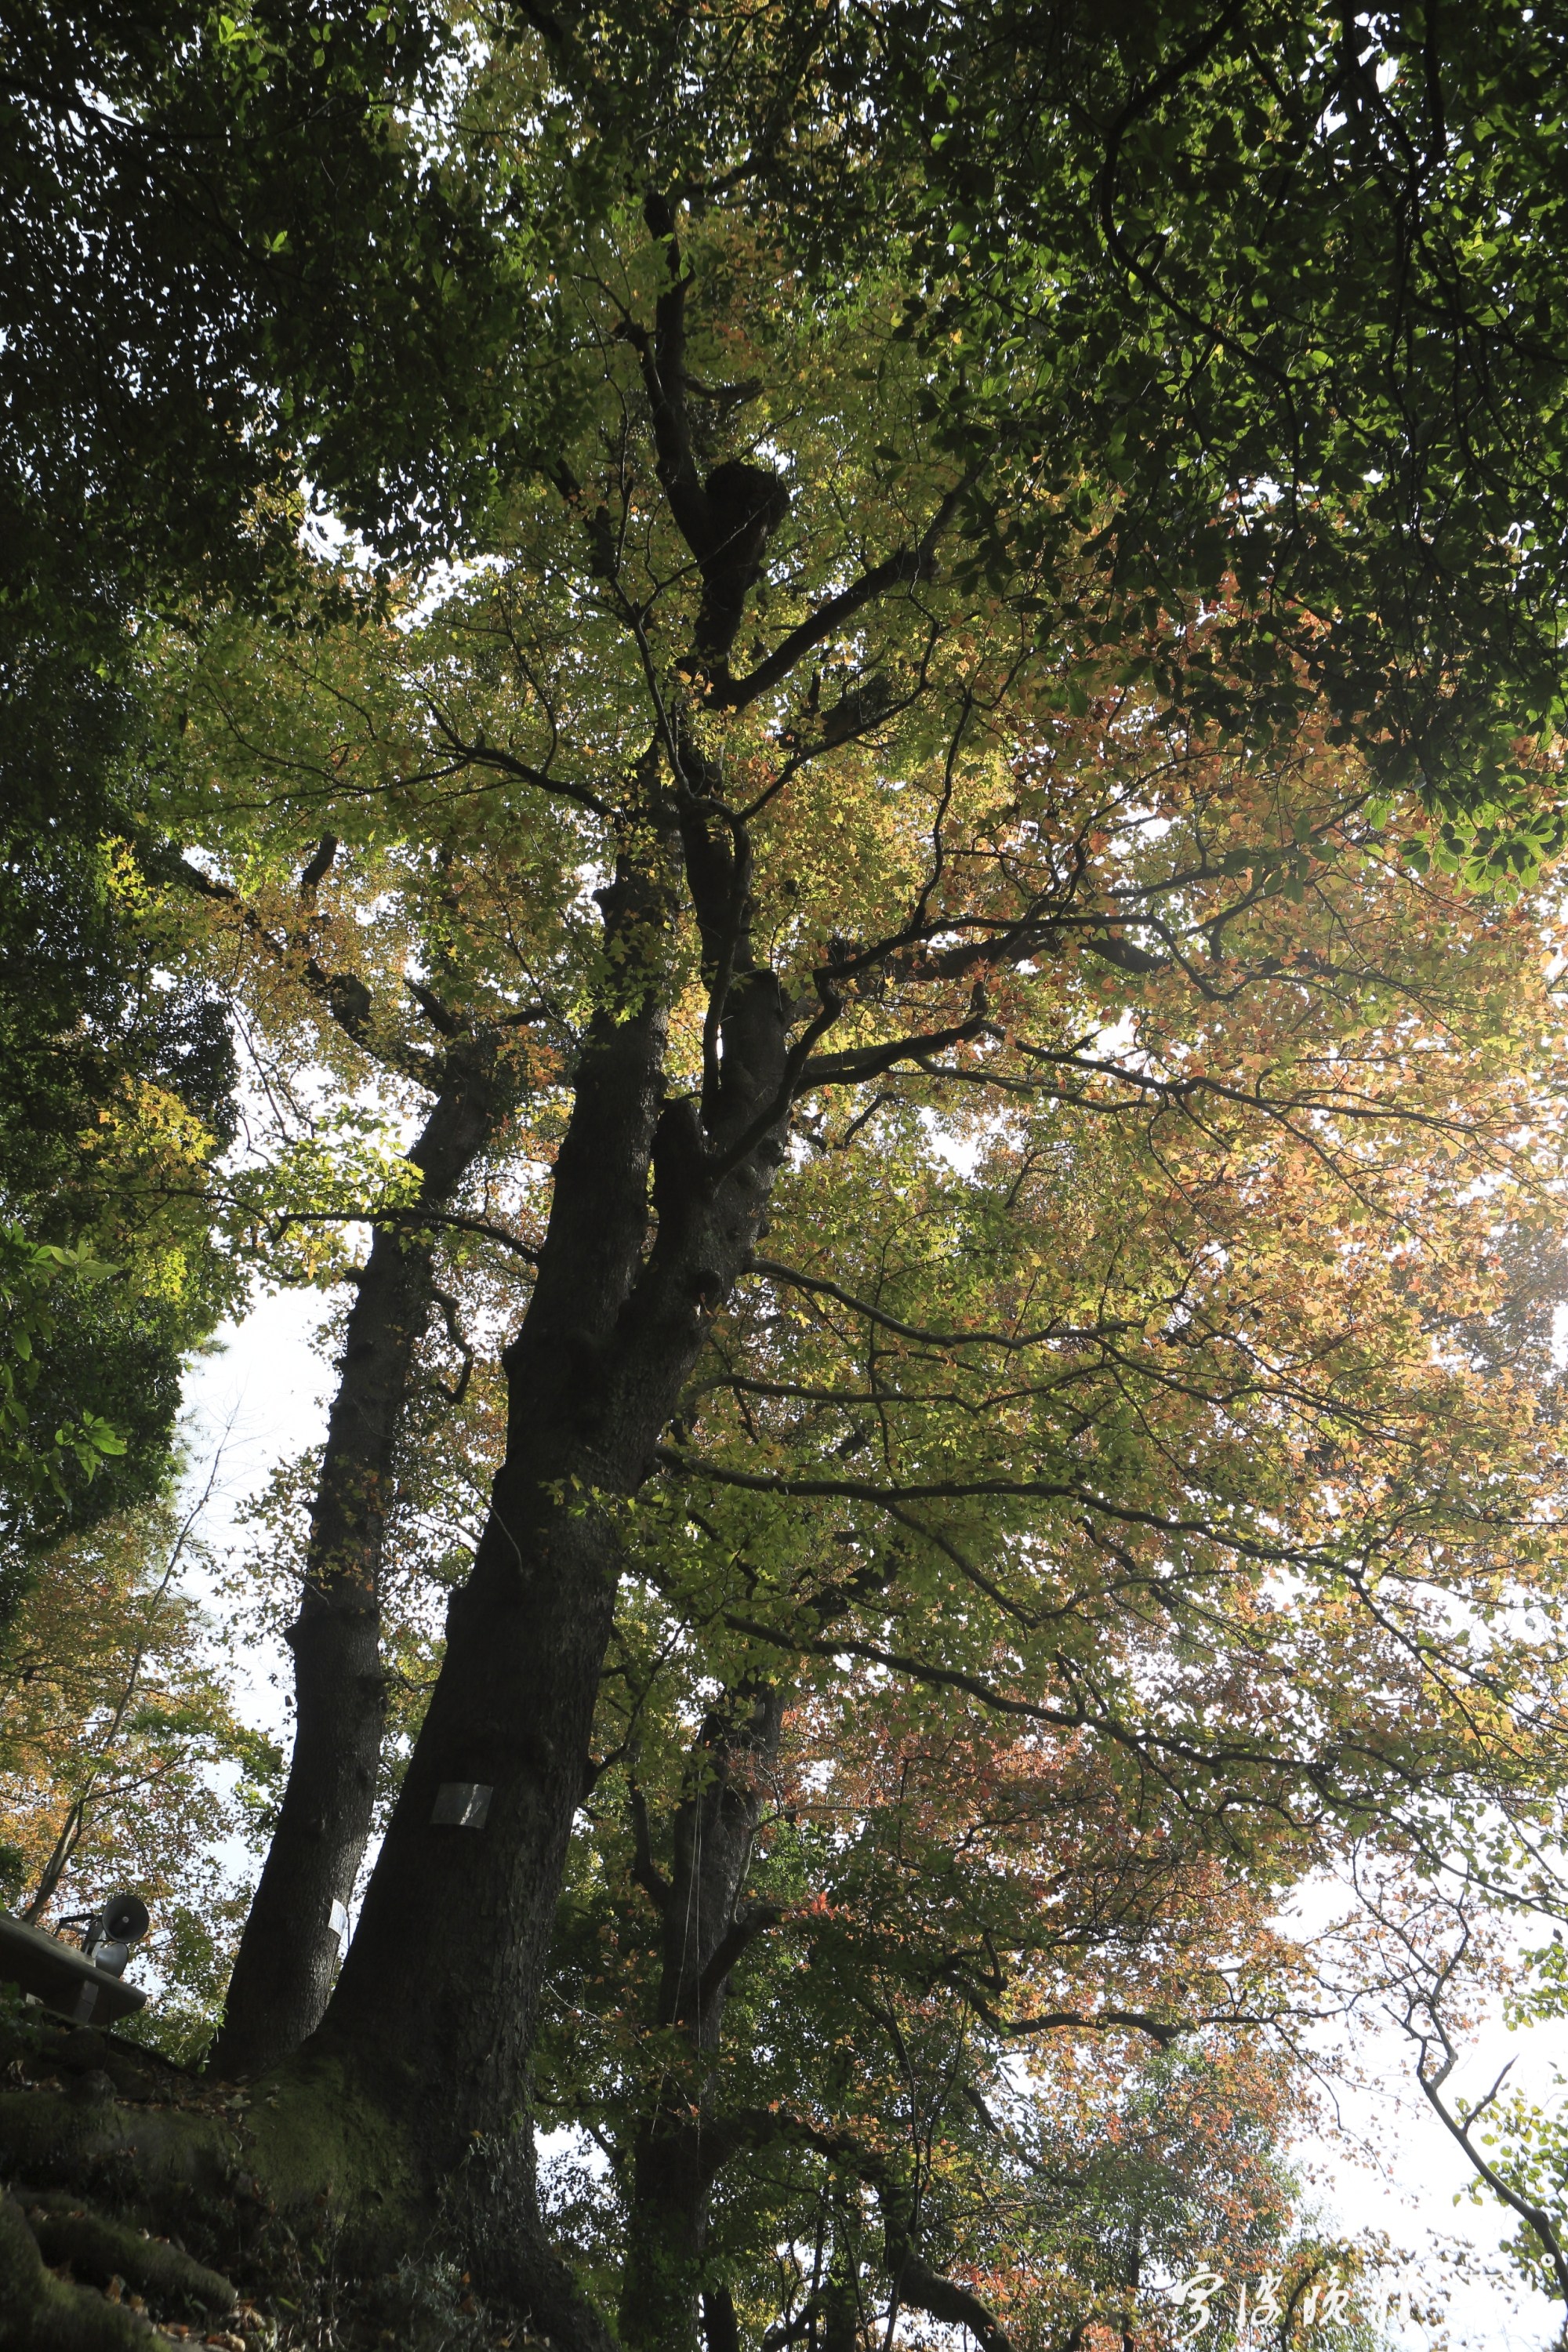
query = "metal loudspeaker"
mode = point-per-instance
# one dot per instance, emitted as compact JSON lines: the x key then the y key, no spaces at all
{"x":125,"y":1918}
{"x":113,"y":1930}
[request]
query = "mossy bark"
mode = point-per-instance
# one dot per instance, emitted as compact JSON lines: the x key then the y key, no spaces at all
{"x":108,"y":2154}
{"x":40,"y":2313}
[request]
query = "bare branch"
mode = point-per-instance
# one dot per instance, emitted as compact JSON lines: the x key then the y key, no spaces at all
{"x":799,"y":1280}
{"x":1534,"y":2217}
{"x":448,"y":1306}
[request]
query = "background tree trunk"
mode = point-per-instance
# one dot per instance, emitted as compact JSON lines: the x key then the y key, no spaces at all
{"x":703,"y":1932}
{"x":288,"y":1953}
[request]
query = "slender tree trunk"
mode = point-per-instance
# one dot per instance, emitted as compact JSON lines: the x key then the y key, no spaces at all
{"x":703,"y":1932}
{"x":289,"y":1950}
{"x":841,"y":2305}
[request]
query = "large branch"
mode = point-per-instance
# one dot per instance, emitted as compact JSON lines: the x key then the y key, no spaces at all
{"x":866,"y":1490}
{"x":861,"y":1063}
{"x":754,"y":1921}
{"x":480,"y":754}
{"x":1160,"y":1753}
{"x":917,"y":2284}
{"x":900,"y":570}
{"x":1163,"y":2031}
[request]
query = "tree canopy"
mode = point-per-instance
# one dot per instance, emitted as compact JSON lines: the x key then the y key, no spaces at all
{"x":930,"y":973}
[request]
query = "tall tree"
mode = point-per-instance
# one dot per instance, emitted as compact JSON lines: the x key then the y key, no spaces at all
{"x":1007,"y":853}
{"x":916,"y":861}
{"x":1254,"y":1022}
{"x":864,"y":777}
{"x":406,"y":970}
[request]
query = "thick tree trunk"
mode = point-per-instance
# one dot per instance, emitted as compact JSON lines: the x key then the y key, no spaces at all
{"x":288,"y":1956}
{"x":703,"y":1932}
{"x":433,"y":2012}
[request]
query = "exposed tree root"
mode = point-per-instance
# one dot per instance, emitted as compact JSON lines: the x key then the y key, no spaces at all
{"x":140,"y":2203}
{"x":107,"y":2151}
{"x":40,"y":2313}
{"x":103,"y":2250}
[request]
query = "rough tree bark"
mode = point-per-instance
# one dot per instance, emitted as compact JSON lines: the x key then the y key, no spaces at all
{"x":438,"y":1996}
{"x":703,"y":1930}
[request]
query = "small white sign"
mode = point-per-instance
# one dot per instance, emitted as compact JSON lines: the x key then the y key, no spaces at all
{"x":462,"y":1804}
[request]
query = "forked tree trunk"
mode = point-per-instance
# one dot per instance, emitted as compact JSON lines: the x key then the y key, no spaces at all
{"x":703,"y":1931}
{"x":434,"y":2013}
{"x":283,"y":1975}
